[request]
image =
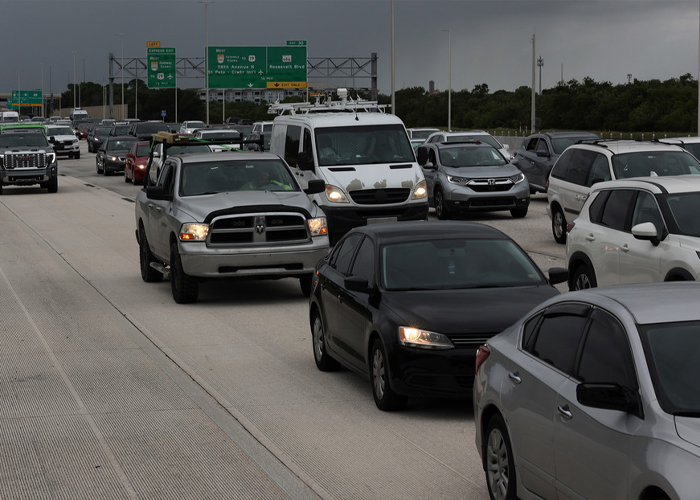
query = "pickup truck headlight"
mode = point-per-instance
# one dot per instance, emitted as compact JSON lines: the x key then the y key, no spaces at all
{"x":194,"y":232}
{"x":415,"y":337}
{"x":52,"y":157}
{"x":420,"y":192}
{"x":335,"y":194}
{"x":318,"y":226}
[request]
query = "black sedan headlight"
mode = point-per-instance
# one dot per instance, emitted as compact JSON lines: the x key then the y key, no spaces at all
{"x":416,"y":337}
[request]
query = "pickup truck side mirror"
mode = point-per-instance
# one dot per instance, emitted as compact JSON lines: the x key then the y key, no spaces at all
{"x":158,"y":193}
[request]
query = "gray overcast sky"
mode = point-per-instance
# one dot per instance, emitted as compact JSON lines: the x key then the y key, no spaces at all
{"x":605,"y":39}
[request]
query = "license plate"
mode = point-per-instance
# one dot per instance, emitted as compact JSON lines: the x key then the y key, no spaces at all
{"x":381,"y":220}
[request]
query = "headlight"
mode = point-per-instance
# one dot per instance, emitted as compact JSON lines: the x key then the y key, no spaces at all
{"x":414,"y":337}
{"x":194,"y":232}
{"x":335,"y":195}
{"x":318,"y":226}
{"x":462,"y":181}
{"x":52,"y":157}
{"x":141,"y":165}
{"x":420,"y":192}
{"x":517,"y":178}
{"x":113,"y":158}
{"x":2,"y":160}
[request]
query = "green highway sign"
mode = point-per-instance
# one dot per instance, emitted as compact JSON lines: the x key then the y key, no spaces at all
{"x":296,"y":42}
{"x":257,"y":67}
{"x":161,"y":68}
{"x":27,"y":97}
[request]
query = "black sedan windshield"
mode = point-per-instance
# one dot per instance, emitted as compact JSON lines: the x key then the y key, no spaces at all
{"x":457,"y":263}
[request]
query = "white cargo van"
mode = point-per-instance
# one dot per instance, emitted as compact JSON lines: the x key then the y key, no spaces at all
{"x":362,"y":154}
{"x":9,"y":116}
{"x":78,"y":114}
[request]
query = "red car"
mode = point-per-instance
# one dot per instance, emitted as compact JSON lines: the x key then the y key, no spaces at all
{"x":135,"y":164}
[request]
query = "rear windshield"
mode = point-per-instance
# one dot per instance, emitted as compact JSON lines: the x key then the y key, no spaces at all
{"x":656,"y":163}
{"x":152,"y":127}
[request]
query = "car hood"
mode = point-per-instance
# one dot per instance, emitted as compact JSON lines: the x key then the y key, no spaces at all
{"x":63,"y":137}
{"x":688,"y":429}
{"x":478,"y":310}
{"x":199,"y":207}
{"x":506,"y":170}
{"x":385,"y":175}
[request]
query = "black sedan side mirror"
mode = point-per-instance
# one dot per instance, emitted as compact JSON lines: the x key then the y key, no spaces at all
{"x":357,"y":284}
{"x":558,"y":275}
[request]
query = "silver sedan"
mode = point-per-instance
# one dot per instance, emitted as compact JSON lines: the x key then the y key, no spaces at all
{"x":594,"y":394}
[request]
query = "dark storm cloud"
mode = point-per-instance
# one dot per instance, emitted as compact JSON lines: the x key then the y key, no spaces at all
{"x":490,"y":40}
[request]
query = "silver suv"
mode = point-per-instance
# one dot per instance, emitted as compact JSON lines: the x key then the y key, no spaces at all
{"x":582,"y":165}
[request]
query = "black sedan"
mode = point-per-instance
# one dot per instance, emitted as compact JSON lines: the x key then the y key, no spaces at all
{"x":111,"y":157}
{"x":96,"y":137}
{"x":407,"y":304}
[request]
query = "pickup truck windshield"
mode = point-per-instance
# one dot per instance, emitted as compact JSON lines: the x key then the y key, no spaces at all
{"x":357,"y":145}
{"x":226,"y":176}
{"x":33,"y":140}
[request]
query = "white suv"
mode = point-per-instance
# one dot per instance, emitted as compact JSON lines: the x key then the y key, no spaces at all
{"x":470,"y":135}
{"x":639,"y":230}
{"x":582,"y":165}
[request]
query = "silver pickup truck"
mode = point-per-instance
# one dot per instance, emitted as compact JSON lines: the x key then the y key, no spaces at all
{"x":227,"y":215}
{"x":27,"y":158}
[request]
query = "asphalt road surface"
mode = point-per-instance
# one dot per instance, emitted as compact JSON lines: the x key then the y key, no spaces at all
{"x":117,"y":391}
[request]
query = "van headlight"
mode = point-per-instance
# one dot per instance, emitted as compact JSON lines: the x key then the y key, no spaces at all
{"x":193,"y":231}
{"x":318,"y":226}
{"x":415,"y":337}
{"x":335,"y":194}
{"x":421,"y":191}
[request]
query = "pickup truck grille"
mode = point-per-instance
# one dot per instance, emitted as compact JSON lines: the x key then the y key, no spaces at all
{"x":25,"y":160}
{"x":252,"y":229}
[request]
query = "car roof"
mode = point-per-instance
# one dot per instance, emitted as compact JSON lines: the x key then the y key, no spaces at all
{"x":339,"y":119}
{"x":466,"y":143}
{"x":642,"y":300}
{"x":658,"y":185}
{"x":628,"y":146}
{"x":397,"y":232}
{"x":556,"y":135}
{"x":226,"y":156}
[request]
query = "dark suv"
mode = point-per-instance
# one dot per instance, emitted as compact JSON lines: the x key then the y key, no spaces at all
{"x":27,"y":158}
{"x":144,"y":131}
{"x":539,"y":152}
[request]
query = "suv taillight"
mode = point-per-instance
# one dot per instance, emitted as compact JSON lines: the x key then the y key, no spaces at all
{"x":482,"y":353}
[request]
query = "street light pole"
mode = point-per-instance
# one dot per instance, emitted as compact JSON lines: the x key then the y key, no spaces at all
{"x":540,"y":63}
{"x":449,"y":80}
{"x":206,"y":53}
{"x":532,"y":111}
{"x":43,"y":114}
{"x":74,"y":95}
{"x":121,"y":114}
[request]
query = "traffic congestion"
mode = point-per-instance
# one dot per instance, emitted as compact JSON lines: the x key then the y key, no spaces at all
{"x":494,"y":345}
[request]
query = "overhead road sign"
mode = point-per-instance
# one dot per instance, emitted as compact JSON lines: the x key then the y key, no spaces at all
{"x":26,"y":97}
{"x":161,"y":68}
{"x":257,"y":67}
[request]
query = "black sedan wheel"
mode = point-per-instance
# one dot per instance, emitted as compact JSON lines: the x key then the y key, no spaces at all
{"x":500,"y":466}
{"x":323,"y":361}
{"x":584,"y":278}
{"x":441,"y":210}
{"x":384,"y":396}
{"x":185,"y":288}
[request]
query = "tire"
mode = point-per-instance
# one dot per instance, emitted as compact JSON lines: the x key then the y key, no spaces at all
{"x":0,"y":187}
{"x":76,"y":156}
{"x":185,"y":288}
{"x":318,"y":336}
{"x":583,"y":278}
{"x":148,"y":273}
{"x":498,"y":461}
{"x":519,"y":213}
{"x":52,"y":185}
{"x":441,"y":209}
{"x":70,"y":155}
{"x":558,"y":225}
{"x":384,"y":396}
{"x":305,"y":283}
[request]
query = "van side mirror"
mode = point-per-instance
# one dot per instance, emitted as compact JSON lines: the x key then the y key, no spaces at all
{"x":422,"y":153}
{"x":304,"y":162}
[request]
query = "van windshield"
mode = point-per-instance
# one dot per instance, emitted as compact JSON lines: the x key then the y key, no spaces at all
{"x":357,"y":145}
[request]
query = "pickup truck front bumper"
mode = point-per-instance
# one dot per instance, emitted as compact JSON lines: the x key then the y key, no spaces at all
{"x":288,"y":260}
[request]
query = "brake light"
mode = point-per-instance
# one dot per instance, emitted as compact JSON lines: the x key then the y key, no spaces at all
{"x":570,"y":226}
{"x":482,"y":353}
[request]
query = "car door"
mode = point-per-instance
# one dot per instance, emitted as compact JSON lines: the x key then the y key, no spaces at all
{"x":530,"y":387}
{"x":607,"y":236}
{"x":640,"y":259}
{"x":159,"y":213}
{"x":332,"y":286}
{"x":583,"y":164}
{"x":591,"y":445}
{"x":355,"y":311}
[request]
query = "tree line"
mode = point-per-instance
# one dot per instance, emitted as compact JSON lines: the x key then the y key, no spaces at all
{"x":638,"y":106}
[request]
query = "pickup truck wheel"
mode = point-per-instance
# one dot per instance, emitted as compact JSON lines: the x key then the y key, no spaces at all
{"x":305,"y":282}
{"x":76,"y":156}
{"x":148,"y":273}
{"x":52,"y":185}
{"x":185,"y":288}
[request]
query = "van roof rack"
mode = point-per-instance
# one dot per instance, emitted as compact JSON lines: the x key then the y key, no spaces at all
{"x":323,"y":103}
